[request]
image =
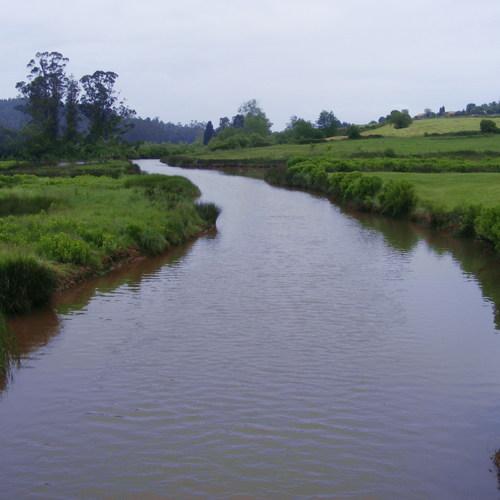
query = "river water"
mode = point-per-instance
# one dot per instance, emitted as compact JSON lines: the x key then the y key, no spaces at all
{"x":299,"y":352}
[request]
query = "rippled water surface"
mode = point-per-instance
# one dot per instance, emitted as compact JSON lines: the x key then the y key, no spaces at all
{"x":299,"y":352}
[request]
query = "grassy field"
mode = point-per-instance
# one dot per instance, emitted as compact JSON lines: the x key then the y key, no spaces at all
{"x":451,"y":190}
{"x":434,"y":126}
{"x":347,"y":148}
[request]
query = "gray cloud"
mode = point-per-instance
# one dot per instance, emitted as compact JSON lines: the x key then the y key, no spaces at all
{"x":199,"y":60}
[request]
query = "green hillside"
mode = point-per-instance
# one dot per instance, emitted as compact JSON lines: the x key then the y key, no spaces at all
{"x":434,"y":126}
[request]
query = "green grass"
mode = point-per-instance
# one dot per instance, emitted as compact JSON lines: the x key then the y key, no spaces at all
{"x":90,"y":223}
{"x":475,"y":145}
{"x":7,"y":164}
{"x":434,"y":126}
{"x":451,"y":190}
{"x":111,"y":168}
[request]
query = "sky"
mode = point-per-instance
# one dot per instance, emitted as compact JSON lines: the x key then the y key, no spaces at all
{"x":197,"y":60}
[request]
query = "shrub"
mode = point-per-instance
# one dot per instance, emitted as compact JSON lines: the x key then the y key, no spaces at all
{"x":353,"y":132}
{"x":488,"y":226}
{"x":397,"y":198}
{"x":64,"y":248}
{"x":488,"y":127}
{"x":209,"y":212}
{"x":149,"y":240}
{"x":25,"y":282}
{"x":466,"y":217}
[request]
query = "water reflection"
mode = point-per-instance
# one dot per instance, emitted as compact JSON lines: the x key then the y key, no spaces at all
{"x":36,"y":330}
{"x":476,"y":259}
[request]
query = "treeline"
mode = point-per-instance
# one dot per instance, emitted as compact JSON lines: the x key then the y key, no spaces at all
{"x":56,"y":102}
{"x":156,"y":131}
{"x":250,"y":127}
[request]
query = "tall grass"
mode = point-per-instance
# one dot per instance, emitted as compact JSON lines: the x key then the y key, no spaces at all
{"x":209,"y":212}
{"x":13,"y":204}
{"x":25,"y":283}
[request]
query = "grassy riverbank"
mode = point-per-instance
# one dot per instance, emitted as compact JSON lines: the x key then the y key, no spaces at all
{"x":55,"y":231}
{"x":452,"y":183}
{"x":466,"y":204}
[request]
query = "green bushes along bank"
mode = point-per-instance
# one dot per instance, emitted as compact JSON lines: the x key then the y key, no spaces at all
{"x":395,"y":196}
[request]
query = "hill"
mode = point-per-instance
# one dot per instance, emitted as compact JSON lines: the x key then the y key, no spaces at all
{"x":434,"y":126}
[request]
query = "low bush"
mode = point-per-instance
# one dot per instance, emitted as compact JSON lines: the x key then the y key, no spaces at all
{"x":209,"y":212}
{"x":487,"y":226}
{"x":397,"y":198}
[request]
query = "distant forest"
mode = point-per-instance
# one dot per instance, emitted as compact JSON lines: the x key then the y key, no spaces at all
{"x":143,"y":130}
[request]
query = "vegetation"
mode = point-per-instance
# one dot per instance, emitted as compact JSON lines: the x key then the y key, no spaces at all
{"x":8,"y":349}
{"x":476,"y":146}
{"x":54,"y":230}
{"x":438,"y":125}
{"x":465,"y":204}
{"x":399,"y":119}
{"x":488,"y":127}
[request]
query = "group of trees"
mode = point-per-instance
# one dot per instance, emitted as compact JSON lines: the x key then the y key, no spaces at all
{"x":300,"y":130}
{"x":156,"y":131}
{"x":492,"y":108}
{"x":65,"y":112}
{"x":251,"y":127}
{"x":400,"y":119}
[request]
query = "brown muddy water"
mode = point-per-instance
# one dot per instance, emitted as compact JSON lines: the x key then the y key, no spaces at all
{"x":301,"y":352}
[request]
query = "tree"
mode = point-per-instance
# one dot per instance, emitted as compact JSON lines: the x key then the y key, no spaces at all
{"x":488,"y":127}
{"x":72,"y":110}
{"x":353,"y":132}
{"x":44,"y":91}
{"x":238,"y":121}
{"x":442,"y":111}
{"x":101,"y":105}
{"x":328,"y":123}
{"x":400,"y":119}
{"x":255,"y":119}
{"x":429,"y":113}
{"x":302,"y":130}
{"x":209,"y":133}
{"x":224,"y":122}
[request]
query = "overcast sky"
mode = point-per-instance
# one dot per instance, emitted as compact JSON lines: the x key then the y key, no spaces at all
{"x":198,"y":60}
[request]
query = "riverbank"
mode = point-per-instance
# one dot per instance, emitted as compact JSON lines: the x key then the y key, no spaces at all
{"x":57,"y":230}
{"x":461,"y":196}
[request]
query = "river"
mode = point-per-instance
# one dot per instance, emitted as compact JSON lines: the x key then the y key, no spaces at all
{"x":299,"y":352}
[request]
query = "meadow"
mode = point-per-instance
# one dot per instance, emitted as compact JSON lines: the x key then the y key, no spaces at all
{"x":475,"y":146}
{"x":438,"y":125}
